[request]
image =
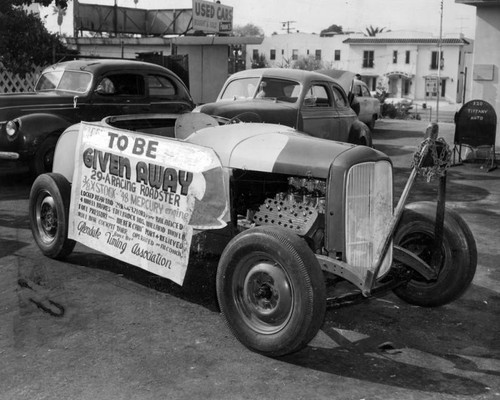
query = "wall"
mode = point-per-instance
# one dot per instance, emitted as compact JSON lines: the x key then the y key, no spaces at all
{"x":207,"y":70}
{"x":487,"y":52}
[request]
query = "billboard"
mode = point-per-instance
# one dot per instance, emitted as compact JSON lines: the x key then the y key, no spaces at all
{"x":212,"y":17}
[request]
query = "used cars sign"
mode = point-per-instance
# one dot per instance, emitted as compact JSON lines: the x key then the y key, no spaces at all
{"x":137,"y":197}
{"x":212,"y":17}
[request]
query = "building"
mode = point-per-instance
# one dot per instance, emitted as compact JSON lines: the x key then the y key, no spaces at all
{"x":403,"y":63}
{"x":485,"y":84}
{"x":282,"y":50}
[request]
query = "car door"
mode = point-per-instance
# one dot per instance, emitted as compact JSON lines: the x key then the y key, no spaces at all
{"x":118,"y":93}
{"x":345,"y":114}
{"x":318,"y":111}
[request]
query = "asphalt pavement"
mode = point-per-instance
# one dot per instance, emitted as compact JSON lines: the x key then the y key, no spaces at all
{"x":95,"y":328}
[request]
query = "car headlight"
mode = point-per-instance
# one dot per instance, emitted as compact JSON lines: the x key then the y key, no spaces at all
{"x":12,"y":127}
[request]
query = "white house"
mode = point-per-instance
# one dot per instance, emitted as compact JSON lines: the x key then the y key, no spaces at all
{"x":403,"y":63}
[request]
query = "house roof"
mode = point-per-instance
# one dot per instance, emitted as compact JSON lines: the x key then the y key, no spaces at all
{"x":376,"y":40}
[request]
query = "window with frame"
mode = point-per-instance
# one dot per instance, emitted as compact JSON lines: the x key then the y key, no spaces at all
{"x":407,"y":57}
{"x":395,"y":57}
{"x":295,"y":54}
{"x":336,"y":56}
{"x":435,"y":60}
{"x":272,"y":54}
{"x":161,"y":86}
{"x":317,"y":55}
{"x":127,"y":84}
{"x":338,"y":97}
{"x":317,"y":96}
{"x":368,"y":57}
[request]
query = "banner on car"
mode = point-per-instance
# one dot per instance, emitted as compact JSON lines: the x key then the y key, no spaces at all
{"x":138,"y":198}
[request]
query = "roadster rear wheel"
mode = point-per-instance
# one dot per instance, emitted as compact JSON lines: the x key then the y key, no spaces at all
{"x":48,"y":210}
{"x":457,"y":256}
{"x":271,"y":290}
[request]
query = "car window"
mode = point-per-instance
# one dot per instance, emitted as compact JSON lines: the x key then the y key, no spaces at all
{"x":71,"y":81}
{"x":240,"y":89}
{"x":339,"y":97}
{"x":278,"y":89}
{"x":365,"y":92}
{"x":124,"y":85}
{"x":357,"y":90}
{"x":317,"y":96}
{"x":161,"y":86}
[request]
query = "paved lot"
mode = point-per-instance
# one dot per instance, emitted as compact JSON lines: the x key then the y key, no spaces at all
{"x":94,"y":328}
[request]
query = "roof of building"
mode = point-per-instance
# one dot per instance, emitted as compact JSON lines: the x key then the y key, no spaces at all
{"x":375,"y":40}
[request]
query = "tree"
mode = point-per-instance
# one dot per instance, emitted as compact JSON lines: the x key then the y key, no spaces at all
{"x":309,"y":63}
{"x":60,"y":12}
{"x":7,"y":5}
{"x":371,"y":31}
{"x":332,"y":28}
{"x":260,"y":61}
{"x":25,"y":42}
{"x":248,"y":30}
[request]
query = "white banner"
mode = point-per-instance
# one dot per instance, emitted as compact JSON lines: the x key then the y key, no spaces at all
{"x":138,"y":198}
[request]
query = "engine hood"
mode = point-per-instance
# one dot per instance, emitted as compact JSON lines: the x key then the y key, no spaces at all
{"x":269,"y":111}
{"x":279,"y":149}
{"x":15,"y":104}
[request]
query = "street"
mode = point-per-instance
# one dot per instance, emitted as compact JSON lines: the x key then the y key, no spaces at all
{"x":95,"y":328}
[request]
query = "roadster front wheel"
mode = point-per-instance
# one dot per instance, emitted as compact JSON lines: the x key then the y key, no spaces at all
{"x":271,"y":290}
{"x":48,"y":211}
{"x":457,"y":257}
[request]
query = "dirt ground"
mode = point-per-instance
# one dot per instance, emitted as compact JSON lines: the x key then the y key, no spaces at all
{"x":95,"y":328}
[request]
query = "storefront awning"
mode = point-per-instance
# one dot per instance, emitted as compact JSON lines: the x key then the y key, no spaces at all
{"x":404,"y":74}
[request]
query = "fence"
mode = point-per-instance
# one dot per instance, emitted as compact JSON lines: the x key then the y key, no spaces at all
{"x":13,"y":83}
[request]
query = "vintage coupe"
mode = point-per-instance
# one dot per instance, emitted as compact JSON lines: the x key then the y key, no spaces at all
{"x":311,"y":102}
{"x":74,"y":91}
{"x":297,"y":217}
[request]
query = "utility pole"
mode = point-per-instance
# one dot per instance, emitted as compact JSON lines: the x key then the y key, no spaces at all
{"x":286,"y":26}
{"x":440,"y":45}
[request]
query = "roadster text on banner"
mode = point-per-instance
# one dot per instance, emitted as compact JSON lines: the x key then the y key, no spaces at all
{"x":211,"y":17}
{"x":138,"y":198}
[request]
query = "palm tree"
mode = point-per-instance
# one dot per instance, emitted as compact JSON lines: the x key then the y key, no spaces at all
{"x":61,"y":12}
{"x":373,"y":31}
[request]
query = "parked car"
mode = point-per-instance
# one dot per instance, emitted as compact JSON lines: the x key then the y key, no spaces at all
{"x":289,"y":209}
{"x":310,"y":102}
{"x":369,"y":106}
{"x":88,"y":90}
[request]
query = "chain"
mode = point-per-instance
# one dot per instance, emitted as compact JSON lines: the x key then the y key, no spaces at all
{"x":440,"y":159}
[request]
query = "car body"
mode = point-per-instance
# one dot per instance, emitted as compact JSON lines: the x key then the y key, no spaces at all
{"x":369,"y":106}
{"x":287,"y":209}
{"x":84,"y":90}
{"x":308,"y":101}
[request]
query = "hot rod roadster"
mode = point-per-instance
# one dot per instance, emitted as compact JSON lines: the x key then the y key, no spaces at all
{"x":301,"y":215}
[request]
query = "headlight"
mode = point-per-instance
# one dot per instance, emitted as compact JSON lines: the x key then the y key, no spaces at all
{"x":12,"y":127}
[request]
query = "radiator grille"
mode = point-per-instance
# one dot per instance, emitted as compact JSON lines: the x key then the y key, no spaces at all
{"x":367,"y":215}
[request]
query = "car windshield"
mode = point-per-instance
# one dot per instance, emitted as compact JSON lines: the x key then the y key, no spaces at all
{"x":68,"y":81}
{"x":268,"y":88}
{"x":278,"y":89}
{"x":240,"y":89}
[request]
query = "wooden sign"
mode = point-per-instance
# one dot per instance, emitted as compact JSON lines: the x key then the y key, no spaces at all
{"x":475,"y":124}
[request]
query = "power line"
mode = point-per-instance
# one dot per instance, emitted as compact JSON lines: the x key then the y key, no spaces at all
{"x":286,"y":26}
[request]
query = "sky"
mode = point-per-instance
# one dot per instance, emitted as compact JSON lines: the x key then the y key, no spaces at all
{"x":311,"y":16}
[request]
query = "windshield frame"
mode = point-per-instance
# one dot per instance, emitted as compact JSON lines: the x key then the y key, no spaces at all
{"x":58,"y":77}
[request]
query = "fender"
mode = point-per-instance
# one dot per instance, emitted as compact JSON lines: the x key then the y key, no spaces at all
{"x":35,"y":128}
{"x":360,"y":134}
